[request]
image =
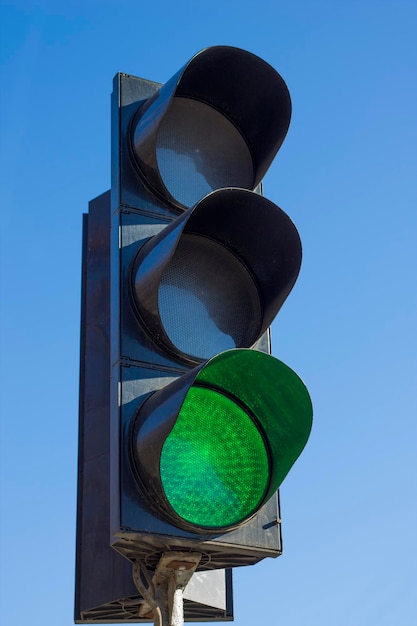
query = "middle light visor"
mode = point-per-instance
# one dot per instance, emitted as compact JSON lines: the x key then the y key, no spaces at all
{"x":208,"y":301}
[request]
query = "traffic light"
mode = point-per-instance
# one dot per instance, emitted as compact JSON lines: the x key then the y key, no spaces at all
{"x":205,"y":424}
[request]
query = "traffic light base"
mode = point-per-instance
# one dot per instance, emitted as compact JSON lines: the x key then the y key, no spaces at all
{"x":164,"y":592}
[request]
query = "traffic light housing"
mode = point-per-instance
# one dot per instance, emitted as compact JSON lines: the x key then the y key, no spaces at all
{"x":205,"y":424}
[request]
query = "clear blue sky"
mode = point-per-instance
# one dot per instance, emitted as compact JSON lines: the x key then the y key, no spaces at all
{"x":346,"y":175}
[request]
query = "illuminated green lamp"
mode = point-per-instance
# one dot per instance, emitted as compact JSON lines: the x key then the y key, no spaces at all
{"x":214,"y":446}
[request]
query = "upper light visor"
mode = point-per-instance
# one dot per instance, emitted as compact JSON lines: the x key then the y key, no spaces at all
{"x":217,"y":123}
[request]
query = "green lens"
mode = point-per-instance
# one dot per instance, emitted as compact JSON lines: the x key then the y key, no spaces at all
{"x":214,"y":463}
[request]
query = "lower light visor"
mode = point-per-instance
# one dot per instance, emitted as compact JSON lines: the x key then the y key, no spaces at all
{"x":210,"y":449}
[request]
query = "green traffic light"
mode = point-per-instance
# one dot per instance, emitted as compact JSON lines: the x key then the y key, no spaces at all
{"x":214,"y":463}
{"x":241,"y":426}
